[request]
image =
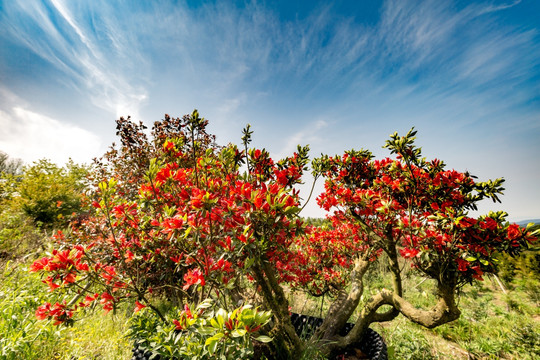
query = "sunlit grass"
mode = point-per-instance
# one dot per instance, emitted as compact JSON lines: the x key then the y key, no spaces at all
{"x":23,"y":337}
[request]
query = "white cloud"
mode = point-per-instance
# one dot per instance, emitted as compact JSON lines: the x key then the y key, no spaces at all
{"x":31,"y":136}
{"x":309,"y":134}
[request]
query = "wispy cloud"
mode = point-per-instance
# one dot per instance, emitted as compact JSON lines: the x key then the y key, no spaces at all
{"x":85,"y":45}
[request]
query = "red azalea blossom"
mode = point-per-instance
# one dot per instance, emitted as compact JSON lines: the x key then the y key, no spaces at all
{"x":57,"y":312}
{"x":514,"y":231}
{"x":463,"y":265}
{"x":138,"y":306}
{"x":408,"y":253}
{"x":193,"y":277}
{"x":178,"y":325}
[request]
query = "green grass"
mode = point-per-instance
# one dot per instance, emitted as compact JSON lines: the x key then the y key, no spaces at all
{"x":493,"y":325}
{"x":22,"y":337}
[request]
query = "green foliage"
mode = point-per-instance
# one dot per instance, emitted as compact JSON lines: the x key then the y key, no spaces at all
{"x":49,"y":194}
{"x":202,"y":334}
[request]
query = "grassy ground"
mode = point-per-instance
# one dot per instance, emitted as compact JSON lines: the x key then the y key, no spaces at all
{"x":493,"y":325}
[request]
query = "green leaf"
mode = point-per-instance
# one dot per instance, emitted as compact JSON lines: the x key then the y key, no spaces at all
{"x":205,"y":304}
{"x":222,"y":317}
{"x":212,"y":345}
{"x":264,"y":339}
{"x":206,"y":330}
{"x":239,"y":333}
{"x":216,"y":337}
{"x":214,"y":323}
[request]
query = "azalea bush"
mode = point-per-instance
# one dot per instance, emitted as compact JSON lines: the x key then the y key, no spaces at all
{"x":179,"y":218}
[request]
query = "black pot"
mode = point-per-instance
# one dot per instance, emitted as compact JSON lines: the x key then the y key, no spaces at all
{"x":139,"y":354}
{"x":371,"y":345}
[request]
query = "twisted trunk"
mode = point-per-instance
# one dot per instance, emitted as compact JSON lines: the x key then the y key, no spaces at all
{"x":347,"y":301}
{"x":445,"y":310}
{"x":286,"y":343}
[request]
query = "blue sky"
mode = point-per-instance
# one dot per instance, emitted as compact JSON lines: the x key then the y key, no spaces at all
{"x":335,"y":75}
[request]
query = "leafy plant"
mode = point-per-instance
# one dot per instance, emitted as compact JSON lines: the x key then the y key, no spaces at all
{"x":201,"y":333}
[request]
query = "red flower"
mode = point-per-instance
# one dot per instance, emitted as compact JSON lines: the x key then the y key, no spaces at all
{"x":193,"y":277}
{"x":129,"y":256}
{"x":106,"y":297}
{"x":57,"y":312}
{"x":463,"y":265}
{"x":39,"y":264}
{"x":42,"y":312}
{"x":50,"y":281}
{"x":408,"y":253}
{"x":187,"y":311}
{"x":177,"y":325}
{"x":138,"y":306}
{"x":168,"y":146}
{"x":513,"y":231}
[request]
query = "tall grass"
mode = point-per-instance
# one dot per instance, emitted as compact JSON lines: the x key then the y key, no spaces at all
{"x":22,"y":337}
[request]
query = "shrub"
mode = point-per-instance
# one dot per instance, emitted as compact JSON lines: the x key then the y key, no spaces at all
{"x":48,"y":194}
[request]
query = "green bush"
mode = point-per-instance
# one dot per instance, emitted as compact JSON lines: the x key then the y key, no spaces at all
{"x":50,"y":194}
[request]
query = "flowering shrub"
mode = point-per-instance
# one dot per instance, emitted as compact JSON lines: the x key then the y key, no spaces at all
{"x":408,"y":210}
{"x":178,"y":217}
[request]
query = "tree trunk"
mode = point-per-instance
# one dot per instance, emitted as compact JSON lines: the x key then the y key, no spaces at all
{"x":286,"y":343}
{"x":341,"y":310}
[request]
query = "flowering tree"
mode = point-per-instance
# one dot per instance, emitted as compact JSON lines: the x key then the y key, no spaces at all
{"x":408,"y":210}
{"x":197,"y":227}
{"x":179,"y":216}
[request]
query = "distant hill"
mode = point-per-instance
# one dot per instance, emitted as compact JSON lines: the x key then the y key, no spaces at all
{"x":525,"y":222}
